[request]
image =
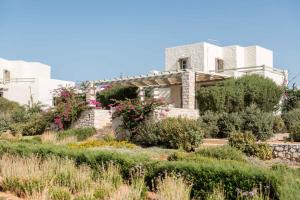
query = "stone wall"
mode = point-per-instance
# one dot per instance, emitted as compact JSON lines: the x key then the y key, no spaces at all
{"x":93,"y":118}
{"x":176,"y":112}
{"x":289,"y":152}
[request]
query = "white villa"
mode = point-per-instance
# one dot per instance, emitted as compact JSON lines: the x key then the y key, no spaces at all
{"x":189,"y":67}
{"x":20,"y":81}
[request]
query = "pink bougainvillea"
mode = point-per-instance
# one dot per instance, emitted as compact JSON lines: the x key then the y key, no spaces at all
{"x":68,"y":106}
{"x":95,"y":103}
{"x":135,"y":112}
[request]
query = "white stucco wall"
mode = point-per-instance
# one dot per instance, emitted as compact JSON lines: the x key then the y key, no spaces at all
{"x":29,"y":79}
{"x":46,"y":88}
{"x":203,"y":56}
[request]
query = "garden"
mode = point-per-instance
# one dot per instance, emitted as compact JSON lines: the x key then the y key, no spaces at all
{"x":42,"y":156}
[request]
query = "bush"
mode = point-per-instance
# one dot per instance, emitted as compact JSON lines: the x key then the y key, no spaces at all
{"x":228,"y":123}
{"x":203,"y":175}
{"x":222,"y":152}
{"x":134,"y":113}
{"x":291,"y":119}
{"x":278,"y":125}
{"x":209,"y":122}
{"x":80,"y":133}
{"x":68,"y":106}
{"x":246,"y":142}
{"x":263,"y":151}
{"x":258,"y":122}
{"x":171,"y":132}
{"x":110,"y":95}
{"x":234,"y":95}
{"x":295,"y":133}
{"x":243,"y":142}
{"x":7,"y":106}
{"x":35,"y":126}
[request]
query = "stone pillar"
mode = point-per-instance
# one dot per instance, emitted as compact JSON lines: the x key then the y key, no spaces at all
{"x":156,"y":93}
{"x":141,"y":94}
{"x":188,"y":89}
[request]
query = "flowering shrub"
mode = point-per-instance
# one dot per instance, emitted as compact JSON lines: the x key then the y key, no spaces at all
{"x":95,"y":103}
{"x":68,"y":106}
{"x":134,"y":112}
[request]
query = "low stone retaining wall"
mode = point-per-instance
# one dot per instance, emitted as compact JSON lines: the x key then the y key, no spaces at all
{"x":289,"y":152}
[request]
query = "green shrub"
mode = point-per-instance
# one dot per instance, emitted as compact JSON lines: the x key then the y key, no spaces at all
{"x":222,"y":152}
{"x":209,"y":122}
{"x":59,"y":193}
{"x":263,"y":151}
{"x":35,"y":126}
{"x":234,"y":95}
{"x":291,"y":118}
{"x":206,"y":175}
{"x":258,"y":122}
{"x":80,"y":133}
{"x":278,"y":125}
{"x":110,"y":95}
{"x":243,"y":142}
{"x":295,"y":133}
{"x":7,"y":106}
{"x":171,"y":132}
{"x":246,"y":142}
{"x":228,"y":123}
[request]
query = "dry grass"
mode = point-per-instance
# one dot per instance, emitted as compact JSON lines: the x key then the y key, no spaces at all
{"x":51,"y":137}
{"x":34,"y":178}
{"x":173,"y":187}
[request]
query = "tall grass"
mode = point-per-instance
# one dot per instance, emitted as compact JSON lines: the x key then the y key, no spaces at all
{"x":56,"y":179}
{"x":173,"y":187}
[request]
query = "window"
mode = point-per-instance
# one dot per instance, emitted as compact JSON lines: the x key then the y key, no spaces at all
{"x":6,"y":76}
{"x":183,"y":63}
{"x":219,"y":65}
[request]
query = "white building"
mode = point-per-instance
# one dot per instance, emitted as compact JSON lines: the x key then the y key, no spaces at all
{"x":20,"y":81}
{"x":189,"y":67}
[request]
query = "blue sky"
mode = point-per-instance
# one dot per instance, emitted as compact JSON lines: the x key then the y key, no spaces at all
{"x":88,"y":40}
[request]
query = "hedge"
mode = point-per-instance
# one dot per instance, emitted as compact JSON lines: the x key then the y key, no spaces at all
{"x":204,"y":175}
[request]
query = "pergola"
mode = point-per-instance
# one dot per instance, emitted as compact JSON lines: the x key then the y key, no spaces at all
{"x":186,"y":78}
{"x":161,"y":79}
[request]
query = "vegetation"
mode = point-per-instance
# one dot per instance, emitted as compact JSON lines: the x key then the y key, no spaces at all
{"x":111,"y":95}
{"x":68,"y":106}
{"x":292,"y":99}
{"x":234,"y":95}
{"x":295,"y":133}
{"x":222,"y":152}
{"x":80,"y":133}
{"x":133,"y":113}
{"x":221,"y":125}
{"x":258,"y":122}
{"x":246,"y":142}
{"x":291,"y":118}
{"x":278,"y":124}
{"x":177,"y":133}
